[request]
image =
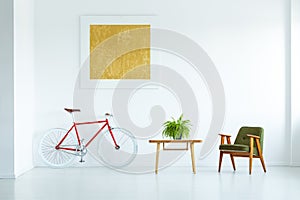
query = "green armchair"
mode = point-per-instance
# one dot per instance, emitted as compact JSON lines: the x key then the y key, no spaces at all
{"x":248,"y":143}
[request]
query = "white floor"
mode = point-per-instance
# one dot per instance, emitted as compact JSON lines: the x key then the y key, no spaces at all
{"x":282,"y":183}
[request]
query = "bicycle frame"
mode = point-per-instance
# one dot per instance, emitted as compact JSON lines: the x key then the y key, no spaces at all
{"x":74,"y":126}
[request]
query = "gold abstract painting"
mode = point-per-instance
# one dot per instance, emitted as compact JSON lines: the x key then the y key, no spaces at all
{"x":120,"y":51}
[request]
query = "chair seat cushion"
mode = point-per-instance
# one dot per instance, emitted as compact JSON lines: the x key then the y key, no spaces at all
{"x":234,"y":147}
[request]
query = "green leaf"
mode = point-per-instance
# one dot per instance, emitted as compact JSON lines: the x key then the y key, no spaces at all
{"x":175,"y":128}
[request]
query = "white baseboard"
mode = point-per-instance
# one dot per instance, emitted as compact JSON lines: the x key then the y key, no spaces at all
{"x":295,"y":164}
{"x":16,"y":174}
{"x":7,"y":176}
{"x":245,"y":163}
{"x":279,"y":164}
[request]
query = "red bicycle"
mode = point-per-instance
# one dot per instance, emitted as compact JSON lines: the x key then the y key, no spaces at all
{"x":116,"y":147}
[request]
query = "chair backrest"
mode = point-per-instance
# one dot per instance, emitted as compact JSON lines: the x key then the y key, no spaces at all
{"x":242,"y":137}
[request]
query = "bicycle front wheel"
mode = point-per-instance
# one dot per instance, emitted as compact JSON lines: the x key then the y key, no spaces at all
{"x":112,"y":156}
{"x":55,"y":157}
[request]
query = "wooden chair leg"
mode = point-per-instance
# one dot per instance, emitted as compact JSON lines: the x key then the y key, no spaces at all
{"x":251,"y":156}
{"x":250,"y":164}
{"x":263,"y":163}
{"x":260,"y":155}
{"x":232,"y":161}
{"x":220,"y":160}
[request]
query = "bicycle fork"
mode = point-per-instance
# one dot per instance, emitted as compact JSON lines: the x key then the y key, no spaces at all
{"x":117,"y":147}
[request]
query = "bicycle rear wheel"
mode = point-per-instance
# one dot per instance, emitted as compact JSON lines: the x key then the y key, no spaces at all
{"x":52,"y":156}
{"x":117,"y":157}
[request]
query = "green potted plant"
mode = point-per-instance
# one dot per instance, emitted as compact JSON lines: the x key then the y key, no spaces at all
{"x":176,"y":129}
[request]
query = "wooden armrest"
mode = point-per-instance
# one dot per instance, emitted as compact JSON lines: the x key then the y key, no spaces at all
{"x":253,"y":136}
{"x":226,"y":135}
{"x":223,"y":138}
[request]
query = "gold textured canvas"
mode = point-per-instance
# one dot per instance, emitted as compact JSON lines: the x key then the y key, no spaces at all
{"x":120,"y":51}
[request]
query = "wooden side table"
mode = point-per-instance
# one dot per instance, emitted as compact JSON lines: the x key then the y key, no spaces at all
{"x":187,"y":142}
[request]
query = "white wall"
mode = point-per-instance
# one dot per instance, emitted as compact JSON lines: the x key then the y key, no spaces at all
{"x":295,"y":50}
{"x":23,"y":82}
{"x":6,"y":88}
{"x":16,"y":86}
{"x":247,"y":41}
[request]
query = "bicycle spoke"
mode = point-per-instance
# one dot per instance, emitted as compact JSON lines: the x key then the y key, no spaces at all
{"x":51,"y":155}
{"x":124,"y":141}
{"x":120,"y":139}
{"x":121,"y":157}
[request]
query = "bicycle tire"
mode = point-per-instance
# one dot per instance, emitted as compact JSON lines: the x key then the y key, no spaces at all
{"x":117,"y":157}
{"x":54,"y":157}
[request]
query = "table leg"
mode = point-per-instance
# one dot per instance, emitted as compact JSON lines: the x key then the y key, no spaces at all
{"x":193,"y":157}
{"x":157,"y":157}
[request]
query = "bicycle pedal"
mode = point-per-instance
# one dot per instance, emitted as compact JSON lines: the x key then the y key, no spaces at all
{"x":82,"y":161}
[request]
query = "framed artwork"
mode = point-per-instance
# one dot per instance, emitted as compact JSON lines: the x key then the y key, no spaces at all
{"x":115,"y":48}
